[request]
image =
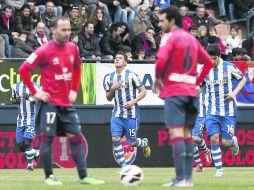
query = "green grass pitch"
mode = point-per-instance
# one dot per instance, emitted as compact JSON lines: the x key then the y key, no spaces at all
{"x":234,"y":179}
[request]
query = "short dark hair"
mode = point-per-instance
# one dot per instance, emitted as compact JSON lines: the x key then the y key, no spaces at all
{"x":126,"y":49}
{"x":154,"y":7}
{"x":235,"y":27}
{"x":213,"y":50}
{"x":31,"y":1}
{"x":123,"y":54}
{"x":8,"y":7}
{"x":193,"y":27}
{"x":49,"y":2}
{"x":150,"y":28}
{"x":25,"y":6}
{"x":200,"y":7}
{"x":57,"y":19}
{"x":172,"y":12}
{"x":87,"y":24}
{"x":114,"y":27}
{"x":74,"y":7}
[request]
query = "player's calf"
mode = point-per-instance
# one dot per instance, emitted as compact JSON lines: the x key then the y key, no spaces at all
{"x":118,"y":150}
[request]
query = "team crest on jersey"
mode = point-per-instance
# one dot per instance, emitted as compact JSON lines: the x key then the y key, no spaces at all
{"x":130,"y":152}
{"x":225,"y":74}
{"x":56,"y":61}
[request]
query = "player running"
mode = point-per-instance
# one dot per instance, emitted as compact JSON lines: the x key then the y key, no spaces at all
{"x":222,"y":109}
{"x":176,"y":71}
{"x":59,"y":64}
{"x":25,"y":132}
{"x":197,"y":131}
{"x":122,"y":85}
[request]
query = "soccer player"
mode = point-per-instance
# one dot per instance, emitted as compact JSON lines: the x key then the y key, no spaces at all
{"x":59,"y":63}
{"x":25,"y":132}
{"x":122,"y":85}
{"x":175,"y":73}
{"x":197,"y":131}
{"x":222,"y":109}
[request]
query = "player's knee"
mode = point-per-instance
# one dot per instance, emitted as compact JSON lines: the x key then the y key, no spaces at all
{"x":226,"y":143}
{"x":76,"y":138}
{"x":115,"y":139}
{"x":132,"y":143}
{"x":21,"y":147}
{"x":215,"y":139}
{"x":196,"y":139}
{"x":28,"y":143}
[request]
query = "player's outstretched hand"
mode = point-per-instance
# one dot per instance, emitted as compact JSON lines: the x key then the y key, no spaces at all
{"x":116,"y":85}
{"x":128,"y":105}
{"x":72,"y":96}
{"x":42,"y":95}
{"x":230,"y":96}
{"x":157,"y":85}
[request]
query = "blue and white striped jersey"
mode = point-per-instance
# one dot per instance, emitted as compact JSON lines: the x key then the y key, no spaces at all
{"x":127,"y":92}
{"x":202,"y":97}
{"x":219,"y":82}
{"x":26,"y":109}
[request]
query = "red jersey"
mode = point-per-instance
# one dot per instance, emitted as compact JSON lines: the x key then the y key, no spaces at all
{"x":57,"y":64}
{"x":179,"y":55}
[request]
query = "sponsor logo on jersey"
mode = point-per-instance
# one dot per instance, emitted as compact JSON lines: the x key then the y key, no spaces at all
{"x":130,"y":152}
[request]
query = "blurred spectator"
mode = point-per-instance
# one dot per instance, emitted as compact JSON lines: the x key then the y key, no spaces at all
{"x":91,"y":6}
{"x":83,"y":14}
{"x":145,"y":41}
{"x":152,"y":55}
{"x":99,"y":21}
{"x":75,"y":39}
{"x":240,"y":54}
{"x":202,"y":36}
{"x":37,"y":38}
{"x":24,"y":22}
{"x":57,"y":11}
{"x":213,"y":38}
{"x":127,"y":51}
{"x":233,"y":40}
{"x":105,"y":4}
{"x":248,"y":44}
{"x":48,"y":16}
{"x":162,"y":3}
{"x":242,"y":7}
{"x":88,"y":46}
{"x":155,"y":18}
{"x":140,"y":22}
{"x":140,"y":54}
{"x":124,"y":33}
{"x":76,"y":23}
{"x":124,"y":12}
{"x":187,"y":21}
{"x":7,"y":28}
{"x":111,"y":42}
{"x":34,"y":12}
{"x":201,"y":18}
{"x":194,"y":30}
{"x":2,"y":47}
{"x":16,"y":4}
{"x":21,"y":49}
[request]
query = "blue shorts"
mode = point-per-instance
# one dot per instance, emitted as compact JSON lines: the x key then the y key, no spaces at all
{"x":23,"y":132}
{"x":197,"y":131}
{"x":180,"y":111}
{"x":224,"y":124}
{"x":125,"y":127}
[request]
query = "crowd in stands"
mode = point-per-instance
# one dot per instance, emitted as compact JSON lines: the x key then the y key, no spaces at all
{"x":100,"y":28}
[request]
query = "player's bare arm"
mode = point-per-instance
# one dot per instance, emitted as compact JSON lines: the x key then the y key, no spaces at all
{"x":231,"y":96}
{"x":141,"y":95}
{"x":110,"y":94}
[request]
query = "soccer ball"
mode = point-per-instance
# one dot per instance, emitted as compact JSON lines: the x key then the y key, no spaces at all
{"x":131,"y":175}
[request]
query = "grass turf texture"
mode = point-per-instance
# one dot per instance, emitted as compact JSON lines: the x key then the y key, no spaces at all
{"x":234,"y":179}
